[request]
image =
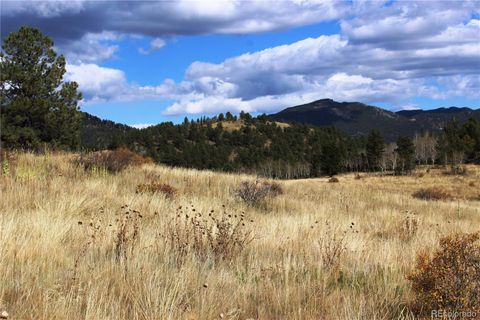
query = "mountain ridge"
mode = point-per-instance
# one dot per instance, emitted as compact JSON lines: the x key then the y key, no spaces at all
{"x":357,"y":118}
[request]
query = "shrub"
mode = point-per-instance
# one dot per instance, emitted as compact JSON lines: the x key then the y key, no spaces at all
{"x":274,"y":189}
{"x":431,"y":194}
{"x":111,"y":160}
{"x":333,"y":180}
{"x":448,"y":279}
{"x":220,"y":237}
{"x":253,"y":193}
{"x":156,"y":187}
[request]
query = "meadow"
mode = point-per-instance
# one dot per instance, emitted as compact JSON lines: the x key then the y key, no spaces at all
{"x":89,"y":244}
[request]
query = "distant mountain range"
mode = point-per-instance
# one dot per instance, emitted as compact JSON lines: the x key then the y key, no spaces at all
{"x":358,"y":119}
{"x":354,"y":118}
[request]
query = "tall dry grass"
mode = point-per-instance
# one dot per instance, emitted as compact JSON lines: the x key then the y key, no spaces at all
{"x":78,"y":244}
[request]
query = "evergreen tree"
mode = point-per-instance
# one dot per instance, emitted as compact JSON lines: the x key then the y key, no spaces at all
{"x":36,"y":105}
{"x":406,"y":154}
{"x":472,"y":130}
{"x":375,"y":148}
{"x":229,"y":116}
{"x":330,"y":158}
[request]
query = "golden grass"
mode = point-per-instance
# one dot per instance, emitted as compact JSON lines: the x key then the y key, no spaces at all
{"x":52,"y":267}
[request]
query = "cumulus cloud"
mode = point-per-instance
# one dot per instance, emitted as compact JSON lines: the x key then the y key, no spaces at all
{"x":79,"y":27}
{"x":166,"y":18}
{"x":385,"y":52}
{"x":43,"y":9}
{"x":91,"y":48}
{"x":98,"y":83}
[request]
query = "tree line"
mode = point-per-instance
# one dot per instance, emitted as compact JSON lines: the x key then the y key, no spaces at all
{"x":38,"y":108}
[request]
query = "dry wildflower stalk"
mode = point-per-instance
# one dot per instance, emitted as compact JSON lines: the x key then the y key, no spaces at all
{"x":221,"y":237}
{"x":409,"y":227}
{"x":95,"y":233}
{"x":332,"y":247}
{"x":126,"y":235}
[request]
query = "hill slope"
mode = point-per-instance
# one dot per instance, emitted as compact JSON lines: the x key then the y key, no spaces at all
{"x":67,"y":222}
{"x":96,"y":133}
{"x":358,"y":119}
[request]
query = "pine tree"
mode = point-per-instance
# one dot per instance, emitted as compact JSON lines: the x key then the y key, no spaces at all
{"x":331,"y":158}
{"x":406,"y":154}
{"x":37,"y":107}
{"x":375,"y":148}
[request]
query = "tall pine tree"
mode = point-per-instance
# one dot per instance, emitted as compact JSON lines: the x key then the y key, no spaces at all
{"x":375,"y":148}
{"x":37,"y":106}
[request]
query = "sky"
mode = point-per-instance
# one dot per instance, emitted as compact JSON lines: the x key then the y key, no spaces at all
{"x":145,"y":62}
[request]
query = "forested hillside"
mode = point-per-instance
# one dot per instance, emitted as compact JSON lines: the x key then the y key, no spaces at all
{"x":261,"y":146}
{"x":98,"y":134}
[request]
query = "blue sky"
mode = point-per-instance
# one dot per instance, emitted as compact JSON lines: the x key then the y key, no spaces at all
{"x":143,"y":62}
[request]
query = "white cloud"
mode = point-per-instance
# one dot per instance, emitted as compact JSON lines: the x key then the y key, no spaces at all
{"x":141,"y":125}
{"x":98,"y":83}
{"x":407,"y":107}
{"x":384,"y":54}
{"x":91,"y":48}
{"x":155,"y":45}
{"x":339,"y":86}
{"x":44,"y":9}
{"x":167,"y":18}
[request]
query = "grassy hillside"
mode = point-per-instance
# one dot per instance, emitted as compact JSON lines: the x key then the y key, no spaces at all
{"x":319,"y":251}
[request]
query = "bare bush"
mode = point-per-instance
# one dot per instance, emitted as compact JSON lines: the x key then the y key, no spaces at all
{"x":449,"y":278}
{"x":431,"y":194}
{"x":254,"y":193}
{"x":111,"y":160}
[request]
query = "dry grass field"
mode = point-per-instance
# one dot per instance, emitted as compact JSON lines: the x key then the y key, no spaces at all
{"x":78,"y":244}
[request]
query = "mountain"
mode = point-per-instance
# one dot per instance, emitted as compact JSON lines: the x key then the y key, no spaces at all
{"x":96,"y":133}
{"x":358,"y":119}
{"x":438,"y":118}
